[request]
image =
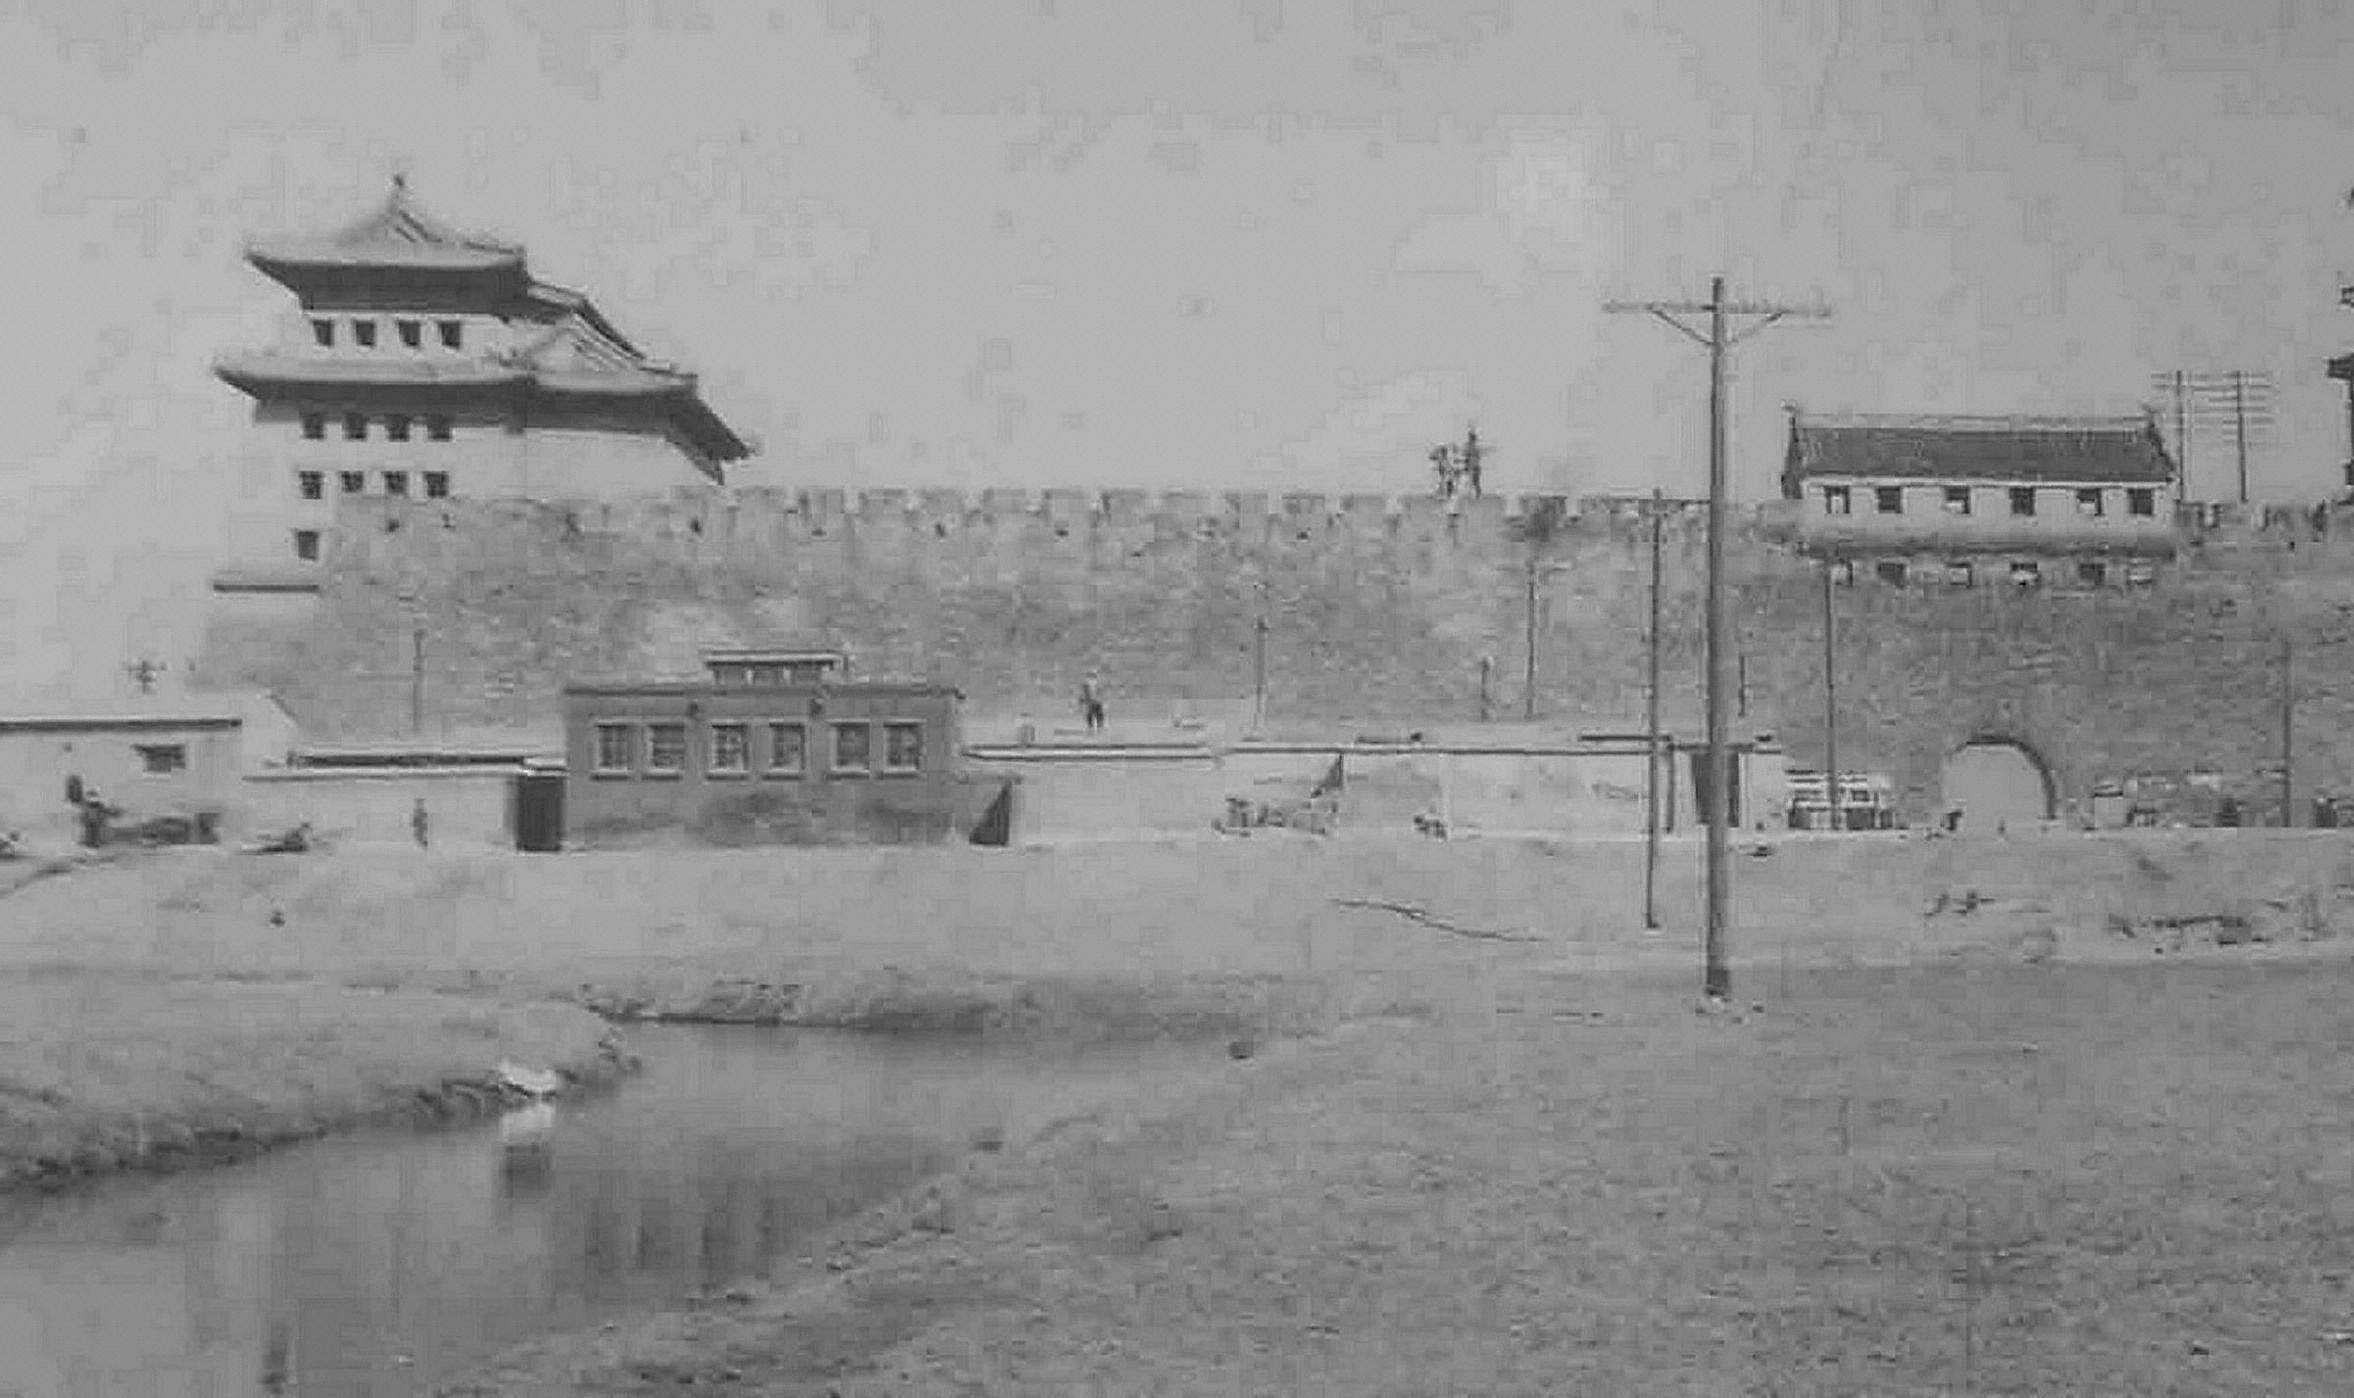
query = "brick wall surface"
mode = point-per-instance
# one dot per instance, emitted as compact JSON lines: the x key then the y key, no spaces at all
{"x":1375,"y":613}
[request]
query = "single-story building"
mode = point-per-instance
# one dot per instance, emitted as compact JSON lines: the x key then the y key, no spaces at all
{"x":766,"y":758}
{"x":165,"y":755}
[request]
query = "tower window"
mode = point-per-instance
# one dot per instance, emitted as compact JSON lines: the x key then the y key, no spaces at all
{"x":363,"y":333}
{"x":437,"y":485}
{"x":1888,"y":499}
{"x":1890,"y":571}
{"x":2089,"y":503}
{"x":323,"y":331}
{"x":1958,"y":573}
{"x":314,"y":426}
{"x":306,"y":545}
{"x":453,"y":333}
{"x":354,"y":482}
{"x":2143,"y":503}
{"x":355,"y":427}
{"x":2092,"y":573}
{"x":2026,"y":572}
{"x":2022,"y":499}
{"x":313,"y":483}
{"x":412,"y":332}
{"x":1843,"y":572}
{"x":396,"y":426}
{"x":437,"y":427}
{"x":1957,"y":499}
{"x":396,"y":482}
{"x":1835,"y":499}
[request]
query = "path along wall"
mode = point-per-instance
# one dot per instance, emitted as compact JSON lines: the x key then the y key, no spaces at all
{"x":1376,"y":610}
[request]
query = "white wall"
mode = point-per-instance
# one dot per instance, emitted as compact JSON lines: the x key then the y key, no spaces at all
{"x":464,"y":806}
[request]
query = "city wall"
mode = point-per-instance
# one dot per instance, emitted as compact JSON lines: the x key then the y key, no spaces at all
{"x":1377,"y":610}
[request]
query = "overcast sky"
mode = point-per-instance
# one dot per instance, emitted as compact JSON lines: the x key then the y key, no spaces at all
{"x":1142,"y":244}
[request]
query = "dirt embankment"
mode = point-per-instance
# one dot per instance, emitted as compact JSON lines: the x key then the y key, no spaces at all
{"x":128,"y":1068}
{"x":228,"y":1002}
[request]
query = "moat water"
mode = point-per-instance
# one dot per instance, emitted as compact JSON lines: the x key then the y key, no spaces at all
{"x":387,"y":1262}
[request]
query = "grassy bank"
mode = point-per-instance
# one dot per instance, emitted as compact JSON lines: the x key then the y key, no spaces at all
{"x":2003,"y":1178}
{"x":107,"y":1070}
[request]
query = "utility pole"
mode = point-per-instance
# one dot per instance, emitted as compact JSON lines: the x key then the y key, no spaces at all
{"x":2239,"y":426}
{"x":2288,"y":733}
{"x":1651,"y":728}
{"x":2182,"y":435}
{"x":1830,"y":704}
{"x":1528,"y":700}
{"x":1717,"y":978}
{"x":2236,"y":401}
{"x":417,"y":682}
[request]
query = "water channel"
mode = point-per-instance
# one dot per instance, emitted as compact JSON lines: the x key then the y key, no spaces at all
{"x":383,"y":1263}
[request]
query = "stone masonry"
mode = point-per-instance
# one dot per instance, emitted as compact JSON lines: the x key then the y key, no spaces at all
{"x":1379,"y":611}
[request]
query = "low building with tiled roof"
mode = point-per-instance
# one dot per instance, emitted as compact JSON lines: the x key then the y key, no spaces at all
{"x":2030,"y":501}
{"x":429,"y":362}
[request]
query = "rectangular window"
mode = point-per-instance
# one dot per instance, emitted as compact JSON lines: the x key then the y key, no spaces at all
{"x":412,"y":333}
{"x":2141,"y":574}
{"x":1957,"y":499}
{"x":666,"y":747}
{"x":903,"y":747}
{"x":731,"y":747}
{"x":613,"y":747}
{"x":766,"y":675}
{"x":162,"y":759}
{"x":2092,"y":573}
{"x":363,"y":333}
{"x":851,"y":747}
{"x":355,"y":427}
{"x":1890,"y":571}
{"x":323,"y":331}
{"x":1888,"y":499}
{"x":1835,"y":500}
{"x":1958,"y":573}
{"x":306,"y":545}
{"x":313,"y":483}
{"x":2022,"y":499}
{"x":396,"y":482}
{"x":2142,"y":503}
{"x":2091,"y":504}
{"x":2026,"y":573}
{"x":314,"y":426}
{"x":354,"y":482}
{"x":437,"y":485}
{"x":437,"y":427}
{"x":453,"y":333}
{"x":1843,"y":572}
{"x":396,"y":426}
{"x":788,"y":748}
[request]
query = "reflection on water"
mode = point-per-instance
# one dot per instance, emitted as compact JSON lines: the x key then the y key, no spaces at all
{"x":381,"y":1265}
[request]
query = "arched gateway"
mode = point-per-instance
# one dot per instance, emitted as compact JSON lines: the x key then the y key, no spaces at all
{"x":1997,"y":782}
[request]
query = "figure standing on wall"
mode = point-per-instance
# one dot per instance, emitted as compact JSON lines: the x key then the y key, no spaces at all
{"x":1473,"y":452}
{"x":417,"y":822}
{"x":1091,"y":702}
{"x":1442,"y":460}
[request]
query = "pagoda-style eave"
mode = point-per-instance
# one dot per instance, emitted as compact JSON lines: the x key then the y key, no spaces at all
{"x":266,"y":375}
{"x":670,"y":397}
{"x":439,"y":281}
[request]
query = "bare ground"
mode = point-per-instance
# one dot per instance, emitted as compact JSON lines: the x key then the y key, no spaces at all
{"x":2052,"y":1115}
{"x":2008,"y":1179}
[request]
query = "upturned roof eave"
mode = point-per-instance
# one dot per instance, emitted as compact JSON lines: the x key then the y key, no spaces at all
{"x":296,"y":257}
